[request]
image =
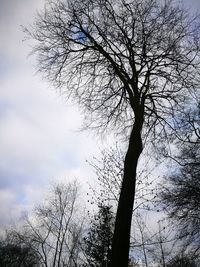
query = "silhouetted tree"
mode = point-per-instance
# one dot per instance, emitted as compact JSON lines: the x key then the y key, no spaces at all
{"x":97,"y":243}
{"x":12,"y":254}
{"x":130,"y":64}
{"x":181,"y":261}
{"x":181,"y":195}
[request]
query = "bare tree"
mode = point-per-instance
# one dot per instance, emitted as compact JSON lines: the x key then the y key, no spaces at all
{"x":108,"y":168}
{"x":130,"y":64}
{"x":153,"y":243}
{"x":54,"y":233}
{"x":181,"y":195}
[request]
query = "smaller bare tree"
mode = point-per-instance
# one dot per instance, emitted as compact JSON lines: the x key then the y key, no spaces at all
{"x":109,"y":172}
{"x":55,"y":230}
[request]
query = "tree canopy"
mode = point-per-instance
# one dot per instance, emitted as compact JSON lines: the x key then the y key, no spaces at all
{"x":112,"y":55}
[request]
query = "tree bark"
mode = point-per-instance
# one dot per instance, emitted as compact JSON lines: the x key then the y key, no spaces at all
{"x":121,"y":237}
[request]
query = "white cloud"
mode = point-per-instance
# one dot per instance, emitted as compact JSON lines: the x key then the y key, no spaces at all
{"x":38,"y":138}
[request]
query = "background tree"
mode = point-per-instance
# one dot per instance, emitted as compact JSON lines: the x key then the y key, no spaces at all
{"x":130,"y":64}
{"x":13,"y":254}
{"x":181,"y":261}
{"x":55,"y":230}
{"x":97,"y":243}
{"x":16,"y":256}
{"x":181,"y":195}
{"x":109,"y":172}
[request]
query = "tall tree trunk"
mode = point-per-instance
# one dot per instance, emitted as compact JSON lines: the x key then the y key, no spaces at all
{"x":121,"y":238}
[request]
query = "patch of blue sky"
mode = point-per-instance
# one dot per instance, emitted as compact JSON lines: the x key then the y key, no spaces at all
{"x":78,"y":35}
{"x":21,"y":197}
{"x":82,"y":37}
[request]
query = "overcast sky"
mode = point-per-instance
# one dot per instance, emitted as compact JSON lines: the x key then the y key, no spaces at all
{"x":39,"y":141}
